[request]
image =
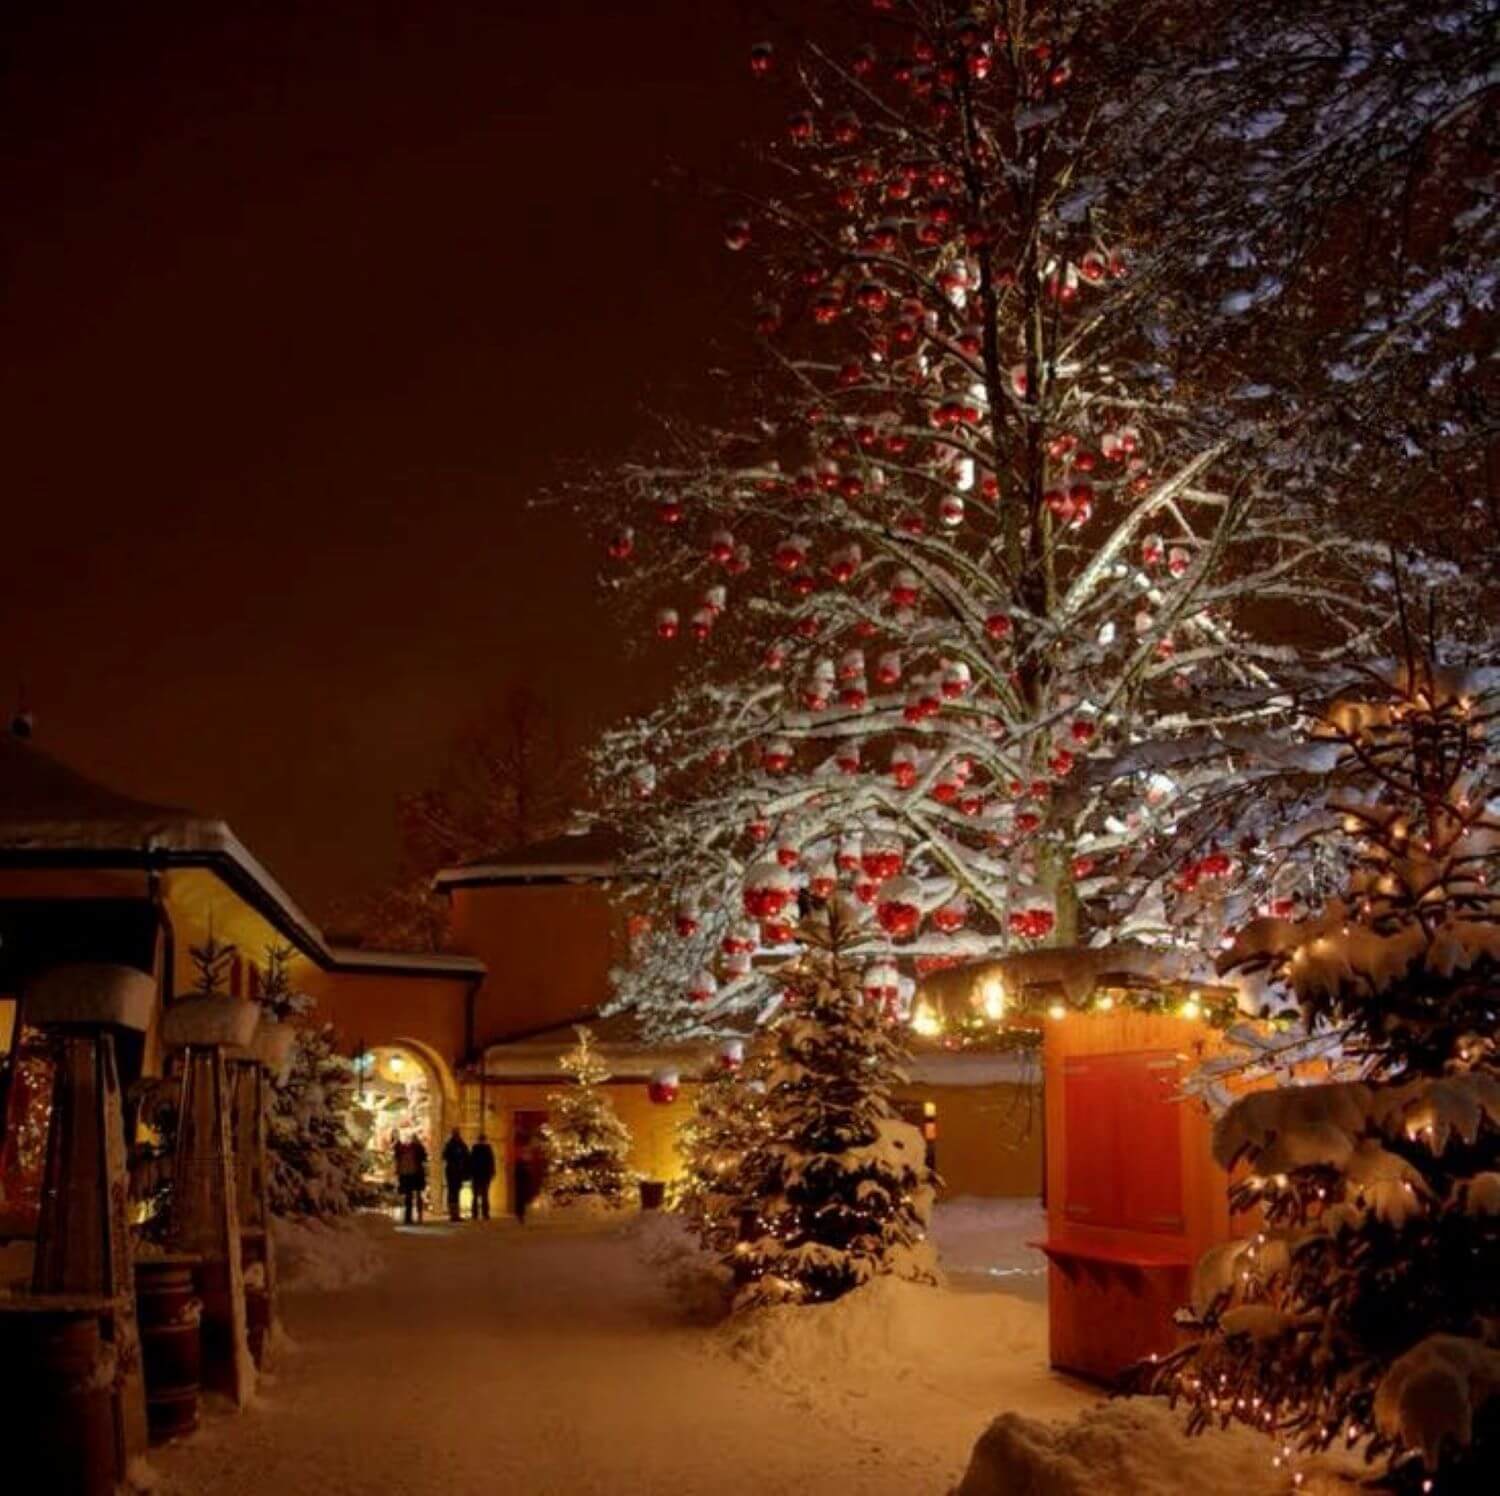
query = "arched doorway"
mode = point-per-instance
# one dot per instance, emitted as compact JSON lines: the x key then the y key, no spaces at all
{"x":405,"y":1089}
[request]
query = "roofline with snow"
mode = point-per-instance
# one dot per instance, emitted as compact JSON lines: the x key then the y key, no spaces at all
{"x":491,"y":874}
{"x":211,"y":845}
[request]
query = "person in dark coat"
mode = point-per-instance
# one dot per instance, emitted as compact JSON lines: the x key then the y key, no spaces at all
{"x":481,"y":1172}
{"x":455,"y":1170}
{"x":411,"y":1176}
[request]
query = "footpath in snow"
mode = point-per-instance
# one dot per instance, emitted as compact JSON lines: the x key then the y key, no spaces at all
{"x":485,"y":1358}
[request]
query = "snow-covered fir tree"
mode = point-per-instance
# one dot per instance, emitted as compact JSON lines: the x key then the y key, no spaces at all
{"x":966,"y":584}
{"x":720,"y":1146}
{"x":316,"y":1129}
{"x":586,"y":1145}
{"x":1365,"y":1311}
{"x":842,"y":1189}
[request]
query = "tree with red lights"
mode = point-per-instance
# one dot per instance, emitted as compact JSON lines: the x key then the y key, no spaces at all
{"x":965,"y":586}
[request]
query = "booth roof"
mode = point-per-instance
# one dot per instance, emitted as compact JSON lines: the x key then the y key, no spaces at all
{"x":53,"y":816}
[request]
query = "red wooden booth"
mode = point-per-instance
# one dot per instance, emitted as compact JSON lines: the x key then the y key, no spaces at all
{"x":1133,"y":1196}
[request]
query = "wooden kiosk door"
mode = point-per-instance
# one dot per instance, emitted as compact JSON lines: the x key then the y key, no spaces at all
{"x":527,"y":1164}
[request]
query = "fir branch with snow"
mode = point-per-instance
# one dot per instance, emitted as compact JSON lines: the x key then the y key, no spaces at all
{"x":316,"y":1126}
{"x":721,"y":1147}
{"x":843,"y":1191}
{"x":1366,"y":1310}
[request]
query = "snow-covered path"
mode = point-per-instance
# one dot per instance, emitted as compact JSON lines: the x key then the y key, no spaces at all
{"x":491,"y":1358}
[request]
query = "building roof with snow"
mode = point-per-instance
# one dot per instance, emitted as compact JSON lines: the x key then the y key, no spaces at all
{"x":586,"y":855}
{"x":51,"y":816}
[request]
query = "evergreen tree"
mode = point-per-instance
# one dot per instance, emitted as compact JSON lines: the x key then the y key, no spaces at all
{"x":586,"y":1143}
{"x":317,"y":1126}
{"x":1366,"y":1310}
{"x":721,"y":1145}
{"x":843,"y":1188}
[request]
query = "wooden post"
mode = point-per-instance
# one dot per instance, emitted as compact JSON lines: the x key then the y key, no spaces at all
{"x":205,"y":1216}
{"x":83,"y":1236}
{"x":251,"y":1073}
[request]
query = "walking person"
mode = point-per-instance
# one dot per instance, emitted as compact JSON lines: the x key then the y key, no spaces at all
{"x":411,"y":1177}
{"x":455,"y":1170}
{"x":481,"y":1172}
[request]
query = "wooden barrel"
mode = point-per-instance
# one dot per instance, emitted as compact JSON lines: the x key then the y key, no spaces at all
{"x":56,"y":1390}
{"x":171,"y":1346}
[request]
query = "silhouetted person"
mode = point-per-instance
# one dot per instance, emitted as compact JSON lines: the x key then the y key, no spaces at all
{"x":455,"y":1170}
{"x":411,"y":1177}
{"x":481,"y":1172}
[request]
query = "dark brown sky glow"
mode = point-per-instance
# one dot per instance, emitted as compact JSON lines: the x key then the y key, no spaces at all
{"x":300,"y":303}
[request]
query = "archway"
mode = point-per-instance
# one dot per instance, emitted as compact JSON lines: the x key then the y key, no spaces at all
{"x":405,"y":1089}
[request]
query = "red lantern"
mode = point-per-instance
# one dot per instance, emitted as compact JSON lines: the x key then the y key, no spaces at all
{"x":738,"y":941}
{"x":882,"y":859}
{"x":669,"y":511}
{"x":1178,"y":561}
{"x":775,"y":932}
{"x":761,"y":56}
{"x":732,"y":1054}
{"x":846,"y":756}
{"x":790,"y":554}
{"x":787,"y":854}
{"x":997,"y":626}
{"x":686,"y":921}
{"x":721,"y":547}
{"x":888,"y":669}
{"x":621,"y":544}
{"x":951,"y":916}
{"x":737,"y":233}
{"x":769,"y":888}
{"x":1081,"y":730}
{"x":702,"y":623}
{"x":704,"y":988}
{"x":823,"y":881}
{"x":776,"y":756}
{"x":881,"y":983}
{"x":666,"y":623}
{"x":956,"y":679}
{"x":899,"y":908}
{"x":905,"y":589}
{"x":904,"y":765}
{"x":847,"y":858}
{"x":663,"y":1087}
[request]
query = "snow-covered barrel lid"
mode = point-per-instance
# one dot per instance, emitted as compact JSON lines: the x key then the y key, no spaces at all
{"x":210,"y":1019}
{"x":270,"y":1047}
{"x":91,"y":995}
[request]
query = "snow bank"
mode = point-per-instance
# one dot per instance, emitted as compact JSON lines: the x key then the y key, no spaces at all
{"x":694,"y":1281}
{"x":329,"y":1253}
{"x":1135,"y":1445}
{"x":890,"y":1330}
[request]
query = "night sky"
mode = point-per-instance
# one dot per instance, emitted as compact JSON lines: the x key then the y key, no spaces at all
{"x":301,"y":303}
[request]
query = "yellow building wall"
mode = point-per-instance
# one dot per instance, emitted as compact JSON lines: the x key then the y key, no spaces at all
{"x":989,"y":1138}
{"x":984,"y":1145}
{"x":653,"y":1127}
{"x":548,"y":949}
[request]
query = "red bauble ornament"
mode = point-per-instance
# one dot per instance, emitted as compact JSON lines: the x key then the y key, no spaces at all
{"x":898,"y":908}
{"x":663,"y":1087}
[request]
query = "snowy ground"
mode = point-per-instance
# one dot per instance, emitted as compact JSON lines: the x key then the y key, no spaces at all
{"x":488,"y":1358}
